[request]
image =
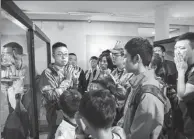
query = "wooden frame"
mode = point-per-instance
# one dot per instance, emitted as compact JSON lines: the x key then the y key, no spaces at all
{"x":11,"y":8}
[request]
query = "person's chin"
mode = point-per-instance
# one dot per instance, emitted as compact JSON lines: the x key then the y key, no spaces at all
{"x":64,"y":63}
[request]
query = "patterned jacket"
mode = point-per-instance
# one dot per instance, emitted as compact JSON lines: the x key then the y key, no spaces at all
{"x":122,"y":78}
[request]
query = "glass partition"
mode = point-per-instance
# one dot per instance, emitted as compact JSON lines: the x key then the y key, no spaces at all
{"x":41,"y":63}
{"x":16,"y":101}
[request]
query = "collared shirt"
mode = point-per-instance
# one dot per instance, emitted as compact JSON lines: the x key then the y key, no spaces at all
{"x":146,"y":122}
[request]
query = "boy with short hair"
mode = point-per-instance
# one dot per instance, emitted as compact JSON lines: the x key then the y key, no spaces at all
{"x":69,"y":104}
{"x":96,"y":114}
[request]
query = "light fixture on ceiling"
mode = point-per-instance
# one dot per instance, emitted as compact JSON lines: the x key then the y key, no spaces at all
{"x":60,"y":25}
{"x":89,"y":20}
{"x":72,"y":13}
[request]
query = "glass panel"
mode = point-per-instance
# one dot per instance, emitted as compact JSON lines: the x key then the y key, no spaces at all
{"x":16,"y":101}
{"x":40,"y":47}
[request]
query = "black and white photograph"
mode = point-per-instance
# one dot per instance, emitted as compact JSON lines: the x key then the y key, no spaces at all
{"x":96,"y":69}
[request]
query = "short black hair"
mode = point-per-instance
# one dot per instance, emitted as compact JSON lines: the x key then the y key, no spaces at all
{"x":98,"y":108}
{"x":108,"y":58}
{"x":57,"y":45}
{"x":69,"y":102}
{"x":107,"y":83}
{"x":160,"y":46}
{"x":106,"y":51}
{"x":15,"y":46}
{"x":142,"y":47}
{"x":94,"y":58}
{"x":186,"y":36}
{"x":72,"y":54}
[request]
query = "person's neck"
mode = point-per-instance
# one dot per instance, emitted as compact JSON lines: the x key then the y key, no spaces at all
{"x":120,"y":67}
{"x":141,"y":69}
{"x":58,"y":66}
{"x":94,"y":68}
{"x":163,"y":59}
{"x":104,"y":134}
{"x":72,"y":120}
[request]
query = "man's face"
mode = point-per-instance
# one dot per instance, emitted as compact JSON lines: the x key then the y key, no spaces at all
{"x":73,"y":60}
{"x":61,"y":56}
{"x":117,"y":58}
{"x":7,"y":56}
{"x":184,"y":48}
{"x":130,"y":64}
{"x":158,"y":50}
{"x":94,"y":63}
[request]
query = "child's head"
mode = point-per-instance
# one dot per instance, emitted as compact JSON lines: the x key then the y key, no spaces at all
{"x":69,"y":102}
{"x":98,"y":110}
{"x":102,"y":84}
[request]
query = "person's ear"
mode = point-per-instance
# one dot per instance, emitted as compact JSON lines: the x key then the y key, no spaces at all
{"x":163,"y":54}
{"x":53,"y":55}
{"x":136,"y":59}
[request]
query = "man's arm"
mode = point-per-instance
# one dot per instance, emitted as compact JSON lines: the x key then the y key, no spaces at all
{"x":49,"y":86}
{"x":148,"y":118}
{"x":185,"y":91}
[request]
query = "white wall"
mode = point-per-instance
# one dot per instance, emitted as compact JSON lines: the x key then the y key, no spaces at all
{"x":191,"y":28}
{"x":74,"y":34}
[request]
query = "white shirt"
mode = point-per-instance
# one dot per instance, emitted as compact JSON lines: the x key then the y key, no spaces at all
{"x":65,"y":131}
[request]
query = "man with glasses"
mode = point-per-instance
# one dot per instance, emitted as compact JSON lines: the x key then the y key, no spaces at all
{"x":53,"y":82}
{"x":121,"y":78}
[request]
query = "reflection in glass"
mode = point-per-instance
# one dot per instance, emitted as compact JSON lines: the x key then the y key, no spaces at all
{"x":40,"y":49}
{"x":16,"y":101}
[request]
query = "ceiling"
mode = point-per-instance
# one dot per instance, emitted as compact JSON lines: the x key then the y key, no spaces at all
{"x":180,"y":12}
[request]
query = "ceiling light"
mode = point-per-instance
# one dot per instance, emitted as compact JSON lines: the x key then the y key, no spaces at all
{"x":52,"y":13}
{"x":153,"y":32}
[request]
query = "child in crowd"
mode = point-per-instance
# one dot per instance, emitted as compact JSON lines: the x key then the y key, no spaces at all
{"x":69,"y":104}
{"x":96,"y":114}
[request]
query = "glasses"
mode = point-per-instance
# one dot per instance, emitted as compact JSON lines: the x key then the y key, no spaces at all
{"x":116,"y":55}
{"x":62,"y":55}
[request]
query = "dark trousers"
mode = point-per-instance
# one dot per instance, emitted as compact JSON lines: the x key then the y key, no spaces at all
{"x":51,"y":116}
{"x":119,"y":115}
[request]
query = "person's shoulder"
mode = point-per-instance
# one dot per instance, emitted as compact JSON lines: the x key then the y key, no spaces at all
{"x":47,"y":71}
{"x":118,"y":133}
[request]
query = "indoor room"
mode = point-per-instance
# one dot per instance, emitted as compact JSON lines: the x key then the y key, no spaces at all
{"x":51,"y":50}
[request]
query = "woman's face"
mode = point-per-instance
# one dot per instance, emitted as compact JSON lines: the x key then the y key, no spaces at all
{"x":103,"y":63}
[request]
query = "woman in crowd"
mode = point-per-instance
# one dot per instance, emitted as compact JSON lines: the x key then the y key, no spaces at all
{"x":105,"y":66}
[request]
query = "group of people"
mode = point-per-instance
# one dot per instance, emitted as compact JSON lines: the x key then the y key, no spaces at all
{"x":128,"y":93}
